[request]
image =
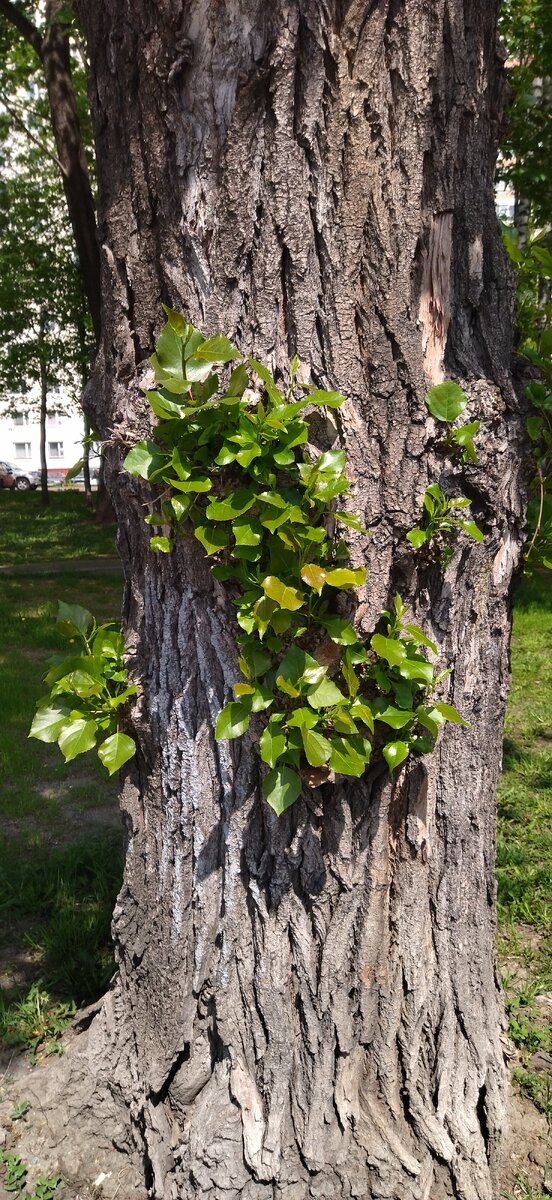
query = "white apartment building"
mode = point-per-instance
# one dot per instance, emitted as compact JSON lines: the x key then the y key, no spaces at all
{"x":20,"y":435}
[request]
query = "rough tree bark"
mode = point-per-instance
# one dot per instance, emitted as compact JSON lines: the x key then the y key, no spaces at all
{"x":308,"y":1007}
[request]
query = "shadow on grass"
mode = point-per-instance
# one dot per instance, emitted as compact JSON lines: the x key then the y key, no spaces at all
{"x":64,"y":900}
{"x":535,"y":768}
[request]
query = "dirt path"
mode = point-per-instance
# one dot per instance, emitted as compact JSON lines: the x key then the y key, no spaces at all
{"x":60,"y":566}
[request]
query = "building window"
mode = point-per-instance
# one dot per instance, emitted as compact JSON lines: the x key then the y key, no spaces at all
{"x":55,"y":449}
{"x":22,"y":449}
{"x":54,"y":417}
{"x":21,"y":418}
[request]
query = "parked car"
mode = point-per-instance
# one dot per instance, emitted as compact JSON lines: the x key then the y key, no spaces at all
{"x":23,"y":479}
{"x":7,"y":480}
{"x":94,"y":476}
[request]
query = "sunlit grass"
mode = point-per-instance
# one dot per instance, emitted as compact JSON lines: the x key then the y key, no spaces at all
{"x":66,"y":529}
{"x":524,"y":853}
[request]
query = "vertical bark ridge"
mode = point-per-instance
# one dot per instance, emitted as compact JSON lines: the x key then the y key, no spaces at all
{"x":313,"y":1001}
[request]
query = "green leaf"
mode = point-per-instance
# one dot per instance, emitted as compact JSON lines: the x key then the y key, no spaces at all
{"x":317,"y":748}
{"x":109,"y":643}
{"x":168,"y":356}
{"x":164,"y":408}
{"x":247,"y":531}
{"x":281,"y":788}
{"x":217,"y":349}
{"x":284,"y":595}
{"x":328,"y":399}
{"x":77,"y":736}
{"x":395,"y":753}
{"x":431,"y":719}
{"x":404,"y":692}
{"x":451,"y":714}
{"x":397,"y":718}
{"x":143,"y":459}
{"x":420,"y":638}
{"x":211,"y":537}
{"x":232,"y":721}
{"x":74,"y":619}
{"x":535,"y":426}
{"x":226,"y":455}
{"x":362,"y":712}
{"x":472,"y":529}
{"x":446,"y":401}
{"x":314,"y":576}
{"x":295,"y":662}
{"x":162,"y":544}
{"x":303,"y":718}
{"x":417,"y":668}
{"x":417,"y":537}
{"x":176,"y":321}
{"x":238,"y":381}
{"x":254,"y":661}
{"x":286,"y":686}
{"x":342,"y":720}
{"x":324,"y":694}
{"x":344,"y":577}
{"x":331,"y":462}
{"x":340,"y":631}
{"x":464,"y":438}
{"x":49,"y":721}
{"x":272,"y":744}
{"x":262,"y":699}
{"x":274,"y":499}
{"x":198,"y":483}
{"x":197,"y":372}
{"x":245,"y":457}
{"x":349,"y":673}
{"x":351,"y":520}
{"x":116,"y":750}
{"x":70,"y":665}
{"x":390,"y":649}
{"x":264,"y":374}
{"x":345,"y":759}
{"x":193,"y":340}
{"x":233,"y":505}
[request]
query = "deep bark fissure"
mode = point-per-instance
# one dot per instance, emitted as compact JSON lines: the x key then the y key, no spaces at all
{"x":307,"y":176}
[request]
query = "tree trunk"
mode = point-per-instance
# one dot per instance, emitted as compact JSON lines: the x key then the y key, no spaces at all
{"x":44,"y":494}
{"x":309,"y":1006}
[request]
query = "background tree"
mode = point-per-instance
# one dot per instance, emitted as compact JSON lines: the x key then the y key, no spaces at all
{"x":308,"y":1007}
{"x":526,"y":26}
{"x":36,"y":42}
{"x":46,"y":340}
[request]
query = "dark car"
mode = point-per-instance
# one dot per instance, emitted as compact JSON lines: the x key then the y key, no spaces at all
{"x":7,"y":480}
{"x":23,"y":479}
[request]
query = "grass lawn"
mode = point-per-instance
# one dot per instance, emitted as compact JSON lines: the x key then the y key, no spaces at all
{"x":65,"y":529}
{"x":524,"y":858}
{"x":60,"y":838}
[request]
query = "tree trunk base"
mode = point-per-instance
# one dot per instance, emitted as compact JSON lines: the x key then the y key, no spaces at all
{"x":79,"y":1126}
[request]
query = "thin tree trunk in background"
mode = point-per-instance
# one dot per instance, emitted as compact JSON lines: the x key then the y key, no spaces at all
{"x":56,"y":61}
{"x":45,"y":497}
{"x":85,"y":373}
{"x":309,"y":1007}
{"x":86,"y":461}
